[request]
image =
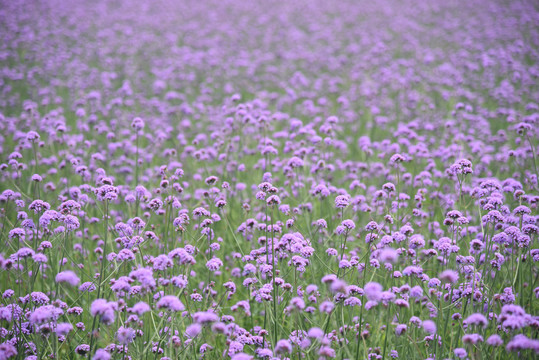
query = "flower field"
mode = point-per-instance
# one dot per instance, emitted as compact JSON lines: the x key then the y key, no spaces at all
{"x":269,"y":179}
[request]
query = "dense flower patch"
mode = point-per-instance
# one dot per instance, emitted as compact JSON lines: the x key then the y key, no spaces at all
{"x":269,"y":180}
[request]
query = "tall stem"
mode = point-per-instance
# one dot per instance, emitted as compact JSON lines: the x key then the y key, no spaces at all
{"x":136,"y":160}
{"x":274,"y":269}
{"x":101,"y":273}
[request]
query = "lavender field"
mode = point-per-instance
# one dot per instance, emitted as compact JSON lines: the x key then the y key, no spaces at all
{"x":242,"y":180}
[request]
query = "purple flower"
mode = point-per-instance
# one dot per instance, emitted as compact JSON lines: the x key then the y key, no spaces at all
{"x":397,"y":158}
{"x":416,"y":292}
{"x":273,"y":200}
{"x":472,"y":339}
{"x":283,"y":347}
{"x":69,"y":277}
{"x":71,"y":222}
{"x":7,"y":351}
{"x":315,"y":333}
{"x":162,"y":262}
{"x":17,"y":233}
{"x":352,"y":301}
{"x":125,"y":255}
{"x":125,"y":335}
{"x":389,"y":255}
{"x":297,"y":303}
{"x":348,"y":225}
{"x":326,"y":352}
{"x":87,"y":287}
{"x":170,"y":302}
{"x":101,"y":354}
{"x":193,"y":330}
{"x":295,"y":162}
{"x":23,"y":253}
{"x":327,"y":307}
{"x":32,"y":136}
{"x":460,"y":353}
{"x":521,"y":342}
{"x":39,"y":298}
{"x":63,"y":329}
{"x":495,"y":340}
{"x":205,"y":317}
{"x":242,"y":356}
{"x":477,"y":319}
{"x":140,"y":308}
{"x":45,"y":314}
{"x":371,"y":304}
{"x":373,"y":291}
{"x":264,"y":353}
{"x":137,"y":124}
{"x":82,"y":349}
{"x":104,"y":309}
{"x":214,"y":264}
{"x":342,"y":202}
{"x":401,"y":329}
{"x":429,"y":326}
{"x":218,"y":327}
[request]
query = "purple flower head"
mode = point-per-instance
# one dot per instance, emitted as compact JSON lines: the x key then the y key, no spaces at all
{"x":495,"y":340}
{"x":63,"y":329}
{"x":17,"y":233}
{"x":32,"y":136}
{"x":283,"y":347}
{"x":193,"y":330}
{"x":472,"y":339}
{"x":242,"y":356}
{"x":327,"y":307}
{"x":87,"y":287}
{"x":520,"y":342}
{"x":45,"y":314}
{"x":125,"y":335}
{"x":373,"y":291}
{"x":68,"y":277}
{"x":460,"y":353}
{"x":477,"y":320}
{"x":396,"y":159}
{"x":170,"y":302}
{"x":315,"y":333}
{"x":7,"y":350}
{"x":140,"y":308}
{"x":401,"y":329}
{"x":101,"y":354}
{"x":429,"y":326}
{"x":214,"y":264}
{"x":39,"y":298}
{"x":389,"y":255}
{"x":23,"y":253}
{"x":449,"y":276}
{"x":39,"y":206}
{"x":205,"y":317}
{"x":342,"y":201}
{"x":105,"y":310}
{"x":82,"y":349}
{"x":273,"y":200}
